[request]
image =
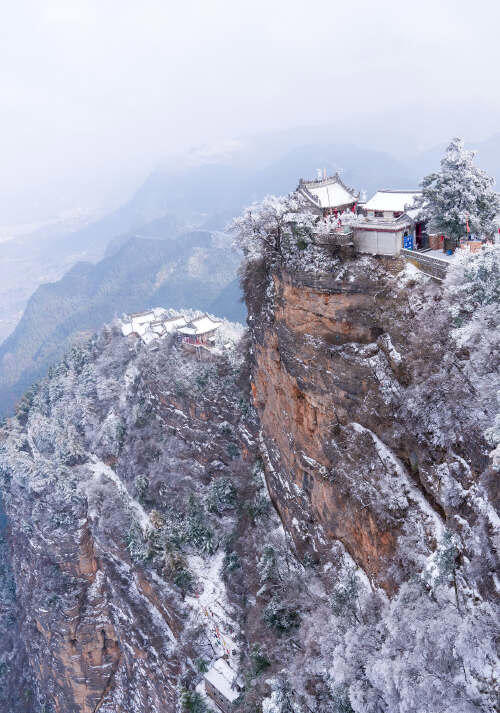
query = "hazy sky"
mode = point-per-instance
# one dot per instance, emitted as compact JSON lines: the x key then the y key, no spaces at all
{"x":94,"y":93}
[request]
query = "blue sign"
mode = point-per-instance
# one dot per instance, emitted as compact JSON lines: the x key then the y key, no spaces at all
{"x":408,"y":241}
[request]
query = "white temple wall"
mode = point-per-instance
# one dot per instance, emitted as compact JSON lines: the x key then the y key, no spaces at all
{"x":378,"y":242}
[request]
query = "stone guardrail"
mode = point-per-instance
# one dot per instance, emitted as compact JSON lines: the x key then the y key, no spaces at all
{"x":434,"y":266}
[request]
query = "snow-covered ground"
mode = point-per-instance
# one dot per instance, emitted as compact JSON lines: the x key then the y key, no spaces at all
{"x":211,"y":606}
{"x":440,"y":255}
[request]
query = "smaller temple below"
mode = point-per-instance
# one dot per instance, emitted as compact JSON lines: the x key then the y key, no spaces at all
{"x":197,"y":334}
{"x":221,"y":685}
{"x":199,"y":331}
{"x":151,"y":324}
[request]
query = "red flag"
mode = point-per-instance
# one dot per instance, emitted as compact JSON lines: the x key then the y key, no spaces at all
{"x":354,"y":208}
{"x":467,"y":225}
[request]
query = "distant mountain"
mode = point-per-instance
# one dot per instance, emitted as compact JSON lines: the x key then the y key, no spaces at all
{"x":210,"y":194}
{"x":195,"y":269}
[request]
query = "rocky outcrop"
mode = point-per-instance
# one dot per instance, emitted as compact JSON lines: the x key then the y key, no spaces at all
{"x":325,"y":382}
{"x":87,"y":609}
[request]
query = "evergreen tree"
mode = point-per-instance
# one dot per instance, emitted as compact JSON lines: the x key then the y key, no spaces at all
{"x":281,"y":698}
{"x":458,"y":195}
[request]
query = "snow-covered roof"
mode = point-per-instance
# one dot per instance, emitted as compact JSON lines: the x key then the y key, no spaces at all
{"x":202,"y":325}
{"x":395,"y":201}
{"x":412,"y":213}
{"x":328,"y":193}
{"x":149,"y":336}
{"x":172,"y":324}
{"x":143,"y":317}
{"x":157,"y":326}
{"x":222,"y":677}
{"x":152,"y":324}
{"x":137,"y":315}
{"x":127,"y":328}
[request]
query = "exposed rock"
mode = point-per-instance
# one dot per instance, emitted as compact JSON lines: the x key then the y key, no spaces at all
{"x":327,"y":384}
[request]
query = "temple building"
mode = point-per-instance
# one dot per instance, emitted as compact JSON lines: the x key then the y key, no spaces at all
{"x":199,"y":331}
{"x":221,"y":685}
{"x":140,"y":322}
{"x":152,"y":324}
{"x":328,"y":195}
{"x":388,"y":223}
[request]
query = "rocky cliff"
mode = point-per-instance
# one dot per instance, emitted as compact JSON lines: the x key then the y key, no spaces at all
{"x":334,"y":370}
{"x":325,"y":375}
{"x":138,"y":485}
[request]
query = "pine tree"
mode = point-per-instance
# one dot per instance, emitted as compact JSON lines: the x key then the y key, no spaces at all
{"x":458,"y":195}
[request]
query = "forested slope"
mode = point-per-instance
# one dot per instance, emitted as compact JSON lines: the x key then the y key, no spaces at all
{"x":191,"y":270}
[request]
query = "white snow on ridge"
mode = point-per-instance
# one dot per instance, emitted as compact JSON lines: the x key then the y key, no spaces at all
{"x":211,"y":606}
{"x":99,"y":468}
{"x":222,"y":677}
{"x":135,"y":590}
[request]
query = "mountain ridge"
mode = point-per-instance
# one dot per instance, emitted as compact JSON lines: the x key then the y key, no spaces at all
{"x":191,"y":269}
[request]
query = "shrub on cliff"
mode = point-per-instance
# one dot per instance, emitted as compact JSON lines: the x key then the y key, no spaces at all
{"x":280,"y":617}
{"x":282,"y":698}
{"x":278,"y":231}
{"x":221,"y":496}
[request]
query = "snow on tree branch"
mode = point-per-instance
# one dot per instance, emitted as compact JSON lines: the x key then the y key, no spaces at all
{"x":277,"y":227}
{"x":458,"y":196}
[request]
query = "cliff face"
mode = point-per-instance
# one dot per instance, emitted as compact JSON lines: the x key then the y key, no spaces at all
{"x":16,"y":680}
{"x":86,"y":611}
{"x":331,"y":366}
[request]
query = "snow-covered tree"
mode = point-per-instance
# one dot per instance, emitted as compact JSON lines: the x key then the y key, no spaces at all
{"x":458,"y":195}
{"x":267,"y":566}
{"x":473,"y":295}
{"x":493,"y":437}
{"x":276,"y":226}
{"x":262,"y":226}
{"x":281,"y":699}
{"x":473,"y":283}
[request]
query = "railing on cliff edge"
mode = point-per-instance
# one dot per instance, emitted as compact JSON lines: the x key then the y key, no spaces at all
{"x":434,"y":266}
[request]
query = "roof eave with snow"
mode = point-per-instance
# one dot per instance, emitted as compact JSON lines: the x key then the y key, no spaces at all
{"x":222,"y":677}
{"x":327,"y":193}
{"x":392,"y":201}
